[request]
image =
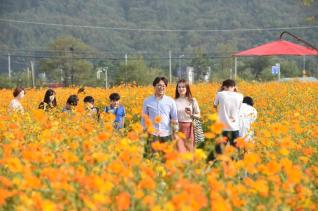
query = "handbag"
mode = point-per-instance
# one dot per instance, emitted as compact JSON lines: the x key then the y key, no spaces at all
{"x":197,"y":128}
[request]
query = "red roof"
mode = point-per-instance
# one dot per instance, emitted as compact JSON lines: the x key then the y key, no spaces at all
{"x":279,"y":48}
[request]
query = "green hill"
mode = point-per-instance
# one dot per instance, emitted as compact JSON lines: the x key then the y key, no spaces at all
{"x":117,"y":27}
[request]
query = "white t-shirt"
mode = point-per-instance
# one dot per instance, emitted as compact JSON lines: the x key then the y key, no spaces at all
{"x":15,"y":105}
{"x":229,"y":106}
{"x":248,"y":115}
{"x":182,"y":103}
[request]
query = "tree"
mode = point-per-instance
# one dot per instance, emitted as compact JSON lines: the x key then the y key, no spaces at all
{"x":257,"y":65}
{"x":136,"y":71}
{"x":67,"y":62}
{"x":200,"y":64}
{"x":290,"y":69}
{"x":308,"y":2}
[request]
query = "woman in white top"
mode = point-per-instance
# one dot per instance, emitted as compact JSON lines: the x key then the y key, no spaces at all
{"x":187,"y":107}
{"x":15,"y":104}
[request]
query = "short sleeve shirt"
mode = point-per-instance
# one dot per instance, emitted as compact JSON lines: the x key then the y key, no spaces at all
{"x":119,"y":113}
{"x":229,"y":106}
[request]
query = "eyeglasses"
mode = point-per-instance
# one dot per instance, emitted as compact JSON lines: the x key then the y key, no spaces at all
{"x":161,"y":85}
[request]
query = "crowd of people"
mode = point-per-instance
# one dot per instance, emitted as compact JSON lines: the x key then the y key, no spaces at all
{"x":163,"y":117}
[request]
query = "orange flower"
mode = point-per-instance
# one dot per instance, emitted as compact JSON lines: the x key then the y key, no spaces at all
{"x":104,"y":136}
{"x":5,"y":194}
{"x":149,"y":201}
{"x":123,"y":201}
{"x":262,"y":187}
{"x":157,"y":146}
{"x":240,"y":143}
{"x":5,"y":181}
{"x":147,"y":120}
{"x":294,"y":175}
{"x":217,"y":127}
{"x":209,"y":135}
{"x":147,"y":183}
{"x":157,"y":119}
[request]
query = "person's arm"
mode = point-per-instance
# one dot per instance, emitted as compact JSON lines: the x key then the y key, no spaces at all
{"x":254,"y":117}
{"x":123,"y":117}
{"x":196,"y":109}
{"x":174,"y":119}
{"x":216,"y":102}
{"x":144,"y":113}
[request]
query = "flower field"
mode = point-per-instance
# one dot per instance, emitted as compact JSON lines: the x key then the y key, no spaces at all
{"x":58,"y":161}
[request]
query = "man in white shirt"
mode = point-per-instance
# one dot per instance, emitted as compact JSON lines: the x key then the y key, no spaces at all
{"x":159,"y":114}
{"x":228,"y":102}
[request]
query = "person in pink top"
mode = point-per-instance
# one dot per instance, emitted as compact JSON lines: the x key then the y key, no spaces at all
{"x":187,"y":108}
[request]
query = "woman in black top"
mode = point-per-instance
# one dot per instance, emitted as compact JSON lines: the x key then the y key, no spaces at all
{"x":49,"y":101}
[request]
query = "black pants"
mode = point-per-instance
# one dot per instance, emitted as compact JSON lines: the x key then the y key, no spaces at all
{"x":231,"y":136}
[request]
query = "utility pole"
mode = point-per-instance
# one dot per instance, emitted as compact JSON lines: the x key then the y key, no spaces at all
{"x":304,"y":66}
{"x":170,"y":75}
{"x":105,"y":69}
{"x":61,"y":71}
{"x":126,"y":58}
{"x":180,"y":72}
{"x":72,"y":71}
{"x":32,"y":74}
{"x":9,"y":66}
{"x":28,"y":75}
{"x":235,"y":67}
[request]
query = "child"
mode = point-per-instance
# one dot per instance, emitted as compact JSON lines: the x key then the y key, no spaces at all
{"x":116,"y":109}
{"x":71,"y":103}
{"x":91,"y":110}
{"x":248,"y":115}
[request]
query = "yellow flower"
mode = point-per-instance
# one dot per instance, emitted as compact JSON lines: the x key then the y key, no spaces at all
{"x":199,"y":154}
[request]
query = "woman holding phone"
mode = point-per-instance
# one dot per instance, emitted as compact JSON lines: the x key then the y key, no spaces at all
{"x":187,"y":108}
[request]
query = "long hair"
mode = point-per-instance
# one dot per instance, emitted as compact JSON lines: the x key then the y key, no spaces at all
{"x":188,"y":92}
{"x":49,"y":93}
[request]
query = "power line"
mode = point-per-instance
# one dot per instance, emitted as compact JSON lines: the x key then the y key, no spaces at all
{"x":113,"y":58}
{"x":82,"y":52}
{"x":43,"y":50}
{"x":157,"y":30}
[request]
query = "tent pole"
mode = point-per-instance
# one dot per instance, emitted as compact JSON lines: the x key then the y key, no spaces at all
{"x":235,"y":67}
{"x":304,"y":66}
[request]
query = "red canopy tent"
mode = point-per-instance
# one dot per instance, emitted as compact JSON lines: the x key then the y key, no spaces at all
{"x":279,"y":48}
